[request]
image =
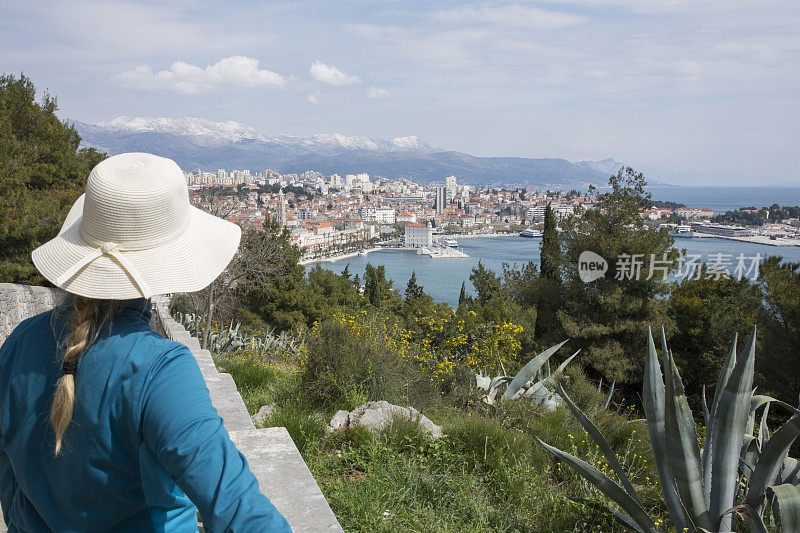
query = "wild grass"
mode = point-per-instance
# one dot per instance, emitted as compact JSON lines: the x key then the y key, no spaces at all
{"x":487,"y":473}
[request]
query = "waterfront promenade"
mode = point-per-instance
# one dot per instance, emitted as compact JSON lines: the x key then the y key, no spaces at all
{"x":753,"y":239}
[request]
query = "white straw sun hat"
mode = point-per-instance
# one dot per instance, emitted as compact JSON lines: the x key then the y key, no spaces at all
{"x":134,"y":234}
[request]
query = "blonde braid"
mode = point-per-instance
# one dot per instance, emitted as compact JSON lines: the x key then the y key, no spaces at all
{"x":85,"y":321}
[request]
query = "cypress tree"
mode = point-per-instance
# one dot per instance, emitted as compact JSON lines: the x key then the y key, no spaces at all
{"x":549,"y":286}
{"x":550,"y":247}
{"x":462,"y":298}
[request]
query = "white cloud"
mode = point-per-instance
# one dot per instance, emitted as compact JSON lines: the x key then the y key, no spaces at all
{"x":184,"y":78}
{"x":331,"y":75}
{"x":377,"y":93}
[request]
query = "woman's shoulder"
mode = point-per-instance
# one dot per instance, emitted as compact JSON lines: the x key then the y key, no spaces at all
{"x":152,"y":346}
{"x":38,"y":328}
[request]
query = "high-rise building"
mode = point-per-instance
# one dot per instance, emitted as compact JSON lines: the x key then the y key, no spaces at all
{"x":451,"y":186}
{"x":441,"y":199}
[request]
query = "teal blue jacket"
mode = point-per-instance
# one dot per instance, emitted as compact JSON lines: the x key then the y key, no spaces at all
{"x":144,"y":447}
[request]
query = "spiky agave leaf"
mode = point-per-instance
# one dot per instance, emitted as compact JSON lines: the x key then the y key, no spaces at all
{"x":770,"y":460}
{"x":706,"y":412}
{"x":607,"y":400}
{"x":653,"y":402}
{"x":763,"y":429}
{"x":533,"y":389}
{"x":605,"y":447}
{"x":790,"y":471}
{"x":529,"y":371}
{"x":682,"y":446}
{"x":786,"y":503}
{"x":722,"y":380}
{"x":729,"y":425}
{"x":607,"y":487}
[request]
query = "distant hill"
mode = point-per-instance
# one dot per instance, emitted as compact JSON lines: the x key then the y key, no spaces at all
{"x":202,"y":144}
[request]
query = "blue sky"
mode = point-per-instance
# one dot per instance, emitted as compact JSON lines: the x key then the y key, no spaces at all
{"x":690,"y":91}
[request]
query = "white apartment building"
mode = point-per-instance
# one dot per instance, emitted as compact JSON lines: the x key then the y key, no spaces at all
{"x":381,"y":215}
{"x":694,"y":212}
{"x":536,"y":213}
{"x":451,"y":187}
{"x":418,"y":235}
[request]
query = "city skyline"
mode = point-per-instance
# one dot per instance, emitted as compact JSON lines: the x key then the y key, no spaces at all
{"x":688,"y":92}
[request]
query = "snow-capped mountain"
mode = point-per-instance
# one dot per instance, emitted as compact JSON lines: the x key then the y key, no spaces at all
{"x":196,"y":143}
{"x":210,"y":133}
{"x":228,"y":131}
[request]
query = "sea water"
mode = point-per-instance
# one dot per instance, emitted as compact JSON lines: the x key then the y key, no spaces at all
{"x":442,"y":278}
{"x":722,"y":199}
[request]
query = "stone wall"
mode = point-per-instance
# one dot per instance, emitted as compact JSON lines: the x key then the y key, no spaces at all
{"x":274,"y":459}
{"x":18,"y":302}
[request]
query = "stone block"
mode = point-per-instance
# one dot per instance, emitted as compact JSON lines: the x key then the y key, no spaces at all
{"x":285,"y":479}
{"x":228,"y":402}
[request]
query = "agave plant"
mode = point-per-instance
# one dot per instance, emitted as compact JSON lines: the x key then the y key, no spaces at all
{"x":736,"y":473}
{"x":607,"y":401}
{"x":225,"y":340}
{"x":532,"y":381}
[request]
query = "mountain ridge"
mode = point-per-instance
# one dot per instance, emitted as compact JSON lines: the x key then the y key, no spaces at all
{"x":196,"y":143}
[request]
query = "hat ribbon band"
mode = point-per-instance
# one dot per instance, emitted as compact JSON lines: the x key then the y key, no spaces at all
{"x":110,"y":249}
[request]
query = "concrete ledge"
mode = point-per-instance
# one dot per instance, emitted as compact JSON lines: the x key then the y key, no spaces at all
{"x":285,"y":479}
{"x":228,"y":402}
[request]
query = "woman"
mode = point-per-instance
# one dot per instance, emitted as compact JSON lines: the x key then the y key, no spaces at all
{"x":104,"y":424}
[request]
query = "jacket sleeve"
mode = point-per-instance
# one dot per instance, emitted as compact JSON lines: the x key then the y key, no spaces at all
{"x":8,"y":481}
{"x":187,"y":435}
{"x":8,"y":484}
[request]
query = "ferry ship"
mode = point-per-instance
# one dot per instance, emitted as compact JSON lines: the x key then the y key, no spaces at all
{"x":530,"y":233}
{"x":683,"y":232}
{"x":678,"y":230}
{"x":452,"y":243}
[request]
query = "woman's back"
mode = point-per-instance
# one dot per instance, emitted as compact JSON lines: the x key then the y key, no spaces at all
{"x":143,"y":431}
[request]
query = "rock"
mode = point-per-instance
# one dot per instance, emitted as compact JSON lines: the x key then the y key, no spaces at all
{"x":376,"y":416}
{"x":339,"y":421}
{"x":260,"y":418}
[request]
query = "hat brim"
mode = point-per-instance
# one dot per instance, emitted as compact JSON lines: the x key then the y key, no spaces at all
{"x":188,"y":263}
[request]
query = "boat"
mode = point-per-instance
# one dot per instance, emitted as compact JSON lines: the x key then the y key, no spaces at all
{"x":683,"y":232}
{"x":530,"y":233}
{"x":452,"y":243}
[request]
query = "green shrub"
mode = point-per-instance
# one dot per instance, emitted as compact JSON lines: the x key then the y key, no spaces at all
{"x":341,"y":369}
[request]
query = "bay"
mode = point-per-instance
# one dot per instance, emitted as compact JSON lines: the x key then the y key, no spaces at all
{"x":442,"y":278}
